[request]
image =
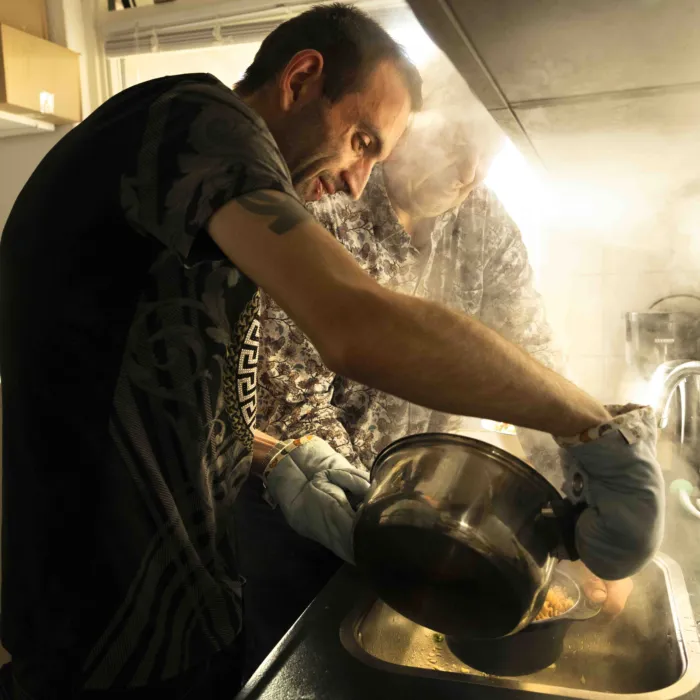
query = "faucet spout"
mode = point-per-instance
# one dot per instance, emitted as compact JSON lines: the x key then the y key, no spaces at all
{"x":667,"y":378}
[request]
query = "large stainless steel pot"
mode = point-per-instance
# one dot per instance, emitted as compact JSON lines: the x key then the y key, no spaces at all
{"x":460,"y":536}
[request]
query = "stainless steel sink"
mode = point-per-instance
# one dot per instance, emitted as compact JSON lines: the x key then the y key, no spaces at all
{"x":650,"y":651}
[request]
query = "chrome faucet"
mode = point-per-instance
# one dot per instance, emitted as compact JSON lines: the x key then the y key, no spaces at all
{"x":669,"y":377}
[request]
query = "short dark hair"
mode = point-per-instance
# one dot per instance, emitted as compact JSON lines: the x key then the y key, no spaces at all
{"x":352,"y":45}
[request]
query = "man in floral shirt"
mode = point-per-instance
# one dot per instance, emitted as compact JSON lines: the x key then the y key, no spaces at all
{"x":424,"y":226}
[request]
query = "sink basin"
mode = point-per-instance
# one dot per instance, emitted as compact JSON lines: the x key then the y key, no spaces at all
{"x":651,"y":649}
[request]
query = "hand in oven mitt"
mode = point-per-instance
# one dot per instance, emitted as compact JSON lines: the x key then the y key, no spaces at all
{"x":318,"y":491}
{"x":613,"y":469}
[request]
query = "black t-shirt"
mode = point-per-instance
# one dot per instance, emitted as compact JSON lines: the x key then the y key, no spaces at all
{"x":128,"y":350}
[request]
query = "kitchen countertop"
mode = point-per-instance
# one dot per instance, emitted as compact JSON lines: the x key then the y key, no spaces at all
{"x":310,"y":663}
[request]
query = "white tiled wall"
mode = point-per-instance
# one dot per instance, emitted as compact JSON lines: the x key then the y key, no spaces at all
{"x":589,"y":285}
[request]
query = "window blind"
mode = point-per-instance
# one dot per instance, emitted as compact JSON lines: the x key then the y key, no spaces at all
{"x":173,"y":27}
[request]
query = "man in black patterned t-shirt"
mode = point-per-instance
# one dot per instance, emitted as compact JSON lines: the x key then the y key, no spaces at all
{"x":129,"y":349}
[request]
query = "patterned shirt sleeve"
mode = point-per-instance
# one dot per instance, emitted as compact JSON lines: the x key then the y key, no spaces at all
{"x":295,"y":388}
{"x":201,"y":147}
{"x":512,"y":306}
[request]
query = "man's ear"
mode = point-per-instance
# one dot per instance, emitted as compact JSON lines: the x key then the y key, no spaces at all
{"x":301,"y":79}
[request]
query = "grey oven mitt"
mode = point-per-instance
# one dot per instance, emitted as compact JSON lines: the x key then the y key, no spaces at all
{"x":318,"y":491}
{"x":613,"y":469}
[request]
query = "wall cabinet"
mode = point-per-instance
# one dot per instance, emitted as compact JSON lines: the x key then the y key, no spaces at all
{"x":39,"y":80}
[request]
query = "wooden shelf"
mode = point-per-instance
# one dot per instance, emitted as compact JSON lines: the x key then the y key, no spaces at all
{"x":19,"y":125}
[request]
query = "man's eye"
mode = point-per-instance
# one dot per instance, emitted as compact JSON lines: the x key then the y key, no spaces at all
{"x":362,"y":142}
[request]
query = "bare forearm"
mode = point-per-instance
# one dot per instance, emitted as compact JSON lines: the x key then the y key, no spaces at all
{"x":450,"y":362}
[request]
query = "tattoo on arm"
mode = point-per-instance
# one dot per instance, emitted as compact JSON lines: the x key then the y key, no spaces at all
{"x":285,"y":211}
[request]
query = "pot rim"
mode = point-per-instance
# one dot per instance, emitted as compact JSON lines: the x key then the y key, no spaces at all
{"x":514,"y":463}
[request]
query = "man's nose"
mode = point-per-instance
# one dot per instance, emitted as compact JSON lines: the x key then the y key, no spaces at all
{"x":356,"y":176}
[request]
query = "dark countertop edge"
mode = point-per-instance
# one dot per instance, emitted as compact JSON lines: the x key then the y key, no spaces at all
{"x":310,"y":661}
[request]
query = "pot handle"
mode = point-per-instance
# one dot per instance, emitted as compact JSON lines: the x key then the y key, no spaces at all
{"x":566,"y":515}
